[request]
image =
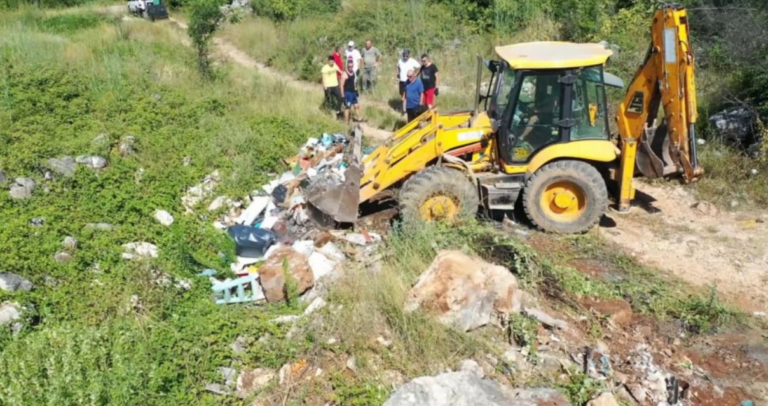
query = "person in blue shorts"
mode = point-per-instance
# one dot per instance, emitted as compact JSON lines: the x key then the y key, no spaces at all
{"x":350,"y":93}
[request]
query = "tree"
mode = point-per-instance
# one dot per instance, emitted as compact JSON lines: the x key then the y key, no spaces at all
{"x":205,"y":18}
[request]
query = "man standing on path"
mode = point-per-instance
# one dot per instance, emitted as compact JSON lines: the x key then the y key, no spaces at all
{"x":371,"y":61}
{"x":353,"y":55}
{"x":431,"y":80}
{"x":338,"y":61}
{"x":405,"y":64}
{"x":331,"y":84}
{"x":350,"y":93}
{"x":413,"y":96}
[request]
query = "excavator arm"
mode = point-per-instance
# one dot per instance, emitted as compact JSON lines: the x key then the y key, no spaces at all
{"x":665,"y":79}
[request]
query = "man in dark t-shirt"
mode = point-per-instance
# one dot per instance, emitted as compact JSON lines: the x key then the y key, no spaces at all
{"x":431,"y":80}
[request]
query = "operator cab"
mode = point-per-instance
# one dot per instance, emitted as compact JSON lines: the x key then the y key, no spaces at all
{"x":544,"y":93}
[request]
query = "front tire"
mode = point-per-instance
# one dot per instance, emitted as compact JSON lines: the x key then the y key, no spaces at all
{"x":438,"y":193}
{"x":565,"y":197}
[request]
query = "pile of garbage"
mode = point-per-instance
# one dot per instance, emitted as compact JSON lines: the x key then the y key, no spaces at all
{"x":273,"y":231}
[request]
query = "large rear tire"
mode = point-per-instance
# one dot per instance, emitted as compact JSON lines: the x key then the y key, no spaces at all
{"x":438,"y":193}
{"x":565,"y":197}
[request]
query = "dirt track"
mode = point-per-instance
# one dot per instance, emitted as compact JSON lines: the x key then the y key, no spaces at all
{"x":698,"y":243}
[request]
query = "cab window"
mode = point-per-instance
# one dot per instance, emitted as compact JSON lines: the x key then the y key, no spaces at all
{"x":534,"y":121}
{"x":589,"y":106}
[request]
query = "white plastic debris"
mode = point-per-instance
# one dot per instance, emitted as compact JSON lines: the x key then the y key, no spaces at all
{"x":320,"y":265}
{"x":333,"y":252}
{"x":753,"y":172}
{"x":701,"y":141}
{"x":311,"y":142}
{"x":217,"y":203}
{"x":137,"y":250}
{"x":297,"y":200}
{"x":268,"y":222}
{"x":316,"y":304}
{"x":249,"y":215}
{"x":287,"y":176}
{"x":164,"y":217}
{"x":219,"y":225}
{"x":311,"y":172}
{"x":306,"y":247}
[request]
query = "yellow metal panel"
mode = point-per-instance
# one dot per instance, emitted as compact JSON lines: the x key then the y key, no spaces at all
{"x":553,"y":55}
{"x":588,"y":150}
{"x":413,"y":147}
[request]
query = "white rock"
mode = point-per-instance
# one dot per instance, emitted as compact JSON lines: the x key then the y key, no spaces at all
{"x":383,"y":341}
{"x":249,"y":215}
{"x":320,"y":265}
{"x":163,"y":217}
{"x":316,"y":304}
{"x":69,"y":243}
{"x":333,"y":252}
{"x":138,"y":250}
{"x":9,"y":312}
{"x":605,"y":399}
{"x":469,"y":365}
{"x":304,"y":247}
{"x":250,"y":382}
{"x":285,"y":319}
{"x":93,"y":161}
{"x":11,"y":282}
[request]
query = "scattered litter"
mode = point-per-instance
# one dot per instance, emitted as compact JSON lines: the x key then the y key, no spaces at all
{"x":197,"y":193}
{"x":332,"y":252}
{"x":362,"y":238}
{"x":240,"y":290}
{"x":250,"y":214}
{"x":207,"y":273}
{"x":164,"y":217}
{"x":37,"y":222}
{"x":251,"y":242}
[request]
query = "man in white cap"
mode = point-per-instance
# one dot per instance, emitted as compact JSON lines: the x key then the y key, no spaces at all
{"x":353,"y":55}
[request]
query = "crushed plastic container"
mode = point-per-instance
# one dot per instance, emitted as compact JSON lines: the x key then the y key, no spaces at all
{"x":251,"y":242}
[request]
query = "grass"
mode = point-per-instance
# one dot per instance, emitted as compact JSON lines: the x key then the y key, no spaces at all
{"x":67,"y":78}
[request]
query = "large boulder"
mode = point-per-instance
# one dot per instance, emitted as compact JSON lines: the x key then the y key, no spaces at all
{"x":11,"y":282}
{"x":465,"y":292}
{"x":739,"y":126}
{"x":272,"y":276}
{"x":466,"y":388}
{"x":452,"y":389}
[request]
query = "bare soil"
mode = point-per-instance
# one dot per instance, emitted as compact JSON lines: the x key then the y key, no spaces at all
{"x":695,"y":241}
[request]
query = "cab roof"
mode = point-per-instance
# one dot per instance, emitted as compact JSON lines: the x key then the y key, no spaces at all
{"x":553,"y":55}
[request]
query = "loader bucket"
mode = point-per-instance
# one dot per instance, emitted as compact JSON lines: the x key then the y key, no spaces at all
{"x":330,"y":201}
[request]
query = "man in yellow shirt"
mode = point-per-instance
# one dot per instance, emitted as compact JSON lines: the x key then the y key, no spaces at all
{"x":331,"y":84}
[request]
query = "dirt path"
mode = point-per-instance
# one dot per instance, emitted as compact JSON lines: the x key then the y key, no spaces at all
{"x":698,"y":243}
{"x":230,"y":51}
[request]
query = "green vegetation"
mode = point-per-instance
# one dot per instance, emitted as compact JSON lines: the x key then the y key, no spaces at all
{"x":205,"y":18}
{"x":118,"y":335}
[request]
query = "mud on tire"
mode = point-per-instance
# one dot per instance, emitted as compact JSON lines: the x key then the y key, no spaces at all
{"x":582,"y":177}
{"x":438,"y":181}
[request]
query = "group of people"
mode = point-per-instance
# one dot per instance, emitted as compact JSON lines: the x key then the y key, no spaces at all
{"x":418,"y":82}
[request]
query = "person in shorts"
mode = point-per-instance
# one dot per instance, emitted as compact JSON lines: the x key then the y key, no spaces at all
{"x":350,"y":93}
{"x":430,"y":77}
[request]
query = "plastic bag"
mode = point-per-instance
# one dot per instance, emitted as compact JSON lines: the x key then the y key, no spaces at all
{"x":251,"y":242}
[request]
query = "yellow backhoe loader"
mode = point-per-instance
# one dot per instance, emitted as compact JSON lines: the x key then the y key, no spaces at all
{"x":539,"y":135}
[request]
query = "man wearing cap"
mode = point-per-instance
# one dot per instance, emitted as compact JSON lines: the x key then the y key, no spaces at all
{"x":353,"y":55}
{"x":405,"y":64}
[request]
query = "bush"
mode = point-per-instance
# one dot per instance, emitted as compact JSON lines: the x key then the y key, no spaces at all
{"x":286,"y":10}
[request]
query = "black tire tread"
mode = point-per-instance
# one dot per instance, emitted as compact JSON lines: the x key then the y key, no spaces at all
{"x":569,"y":168}
{"x":433,"y":180}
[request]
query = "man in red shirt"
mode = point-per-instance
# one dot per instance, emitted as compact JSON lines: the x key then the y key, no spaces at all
{"x":337,"y":59}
